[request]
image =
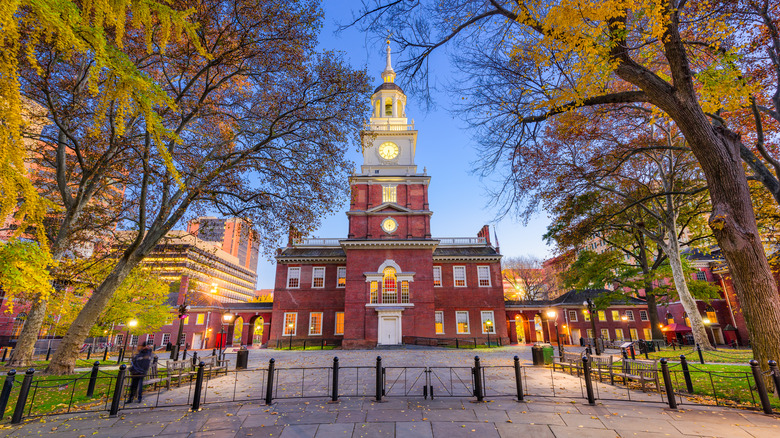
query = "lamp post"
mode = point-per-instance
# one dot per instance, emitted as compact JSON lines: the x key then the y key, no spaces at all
{"x":291,"y":326}
{"x":624,"y":318}
{"x":130,"y":324}
{"x":707,"y":323}
{"x":226,"y":318}
{"x":552,"y":314}
{"x":589,"y":304}
{"x":489,"y":325}
{"x":183,"y":309}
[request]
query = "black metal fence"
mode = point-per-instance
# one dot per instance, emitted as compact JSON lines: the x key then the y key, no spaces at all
{"x":483,"y":342}
{"x":307,"y":344}
{"x":99,"y":390}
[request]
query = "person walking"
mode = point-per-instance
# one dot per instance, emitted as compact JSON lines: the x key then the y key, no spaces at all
{"x":139,"y":366}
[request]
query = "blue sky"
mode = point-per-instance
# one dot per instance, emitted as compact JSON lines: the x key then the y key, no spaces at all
{"x":445,"y":147}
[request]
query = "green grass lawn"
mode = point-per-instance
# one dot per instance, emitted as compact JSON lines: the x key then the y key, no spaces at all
{"x":308,"y":347}
{"x":725,"y":355}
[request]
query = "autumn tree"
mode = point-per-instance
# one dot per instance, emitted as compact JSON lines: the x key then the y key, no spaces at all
{"x":529,"y":61}
{"x":261,"y":123}
{"x":527,"y":277}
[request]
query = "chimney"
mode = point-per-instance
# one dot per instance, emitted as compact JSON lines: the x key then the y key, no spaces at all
{"x":292,"y":236}
{"x":485,"y":232}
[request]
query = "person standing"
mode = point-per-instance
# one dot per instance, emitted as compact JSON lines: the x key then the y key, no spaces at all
{"x":139,"y":366}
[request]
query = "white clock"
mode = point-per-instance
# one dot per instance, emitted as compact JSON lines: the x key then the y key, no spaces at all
{"x":388,"y":150}
{"x":389,"y":225}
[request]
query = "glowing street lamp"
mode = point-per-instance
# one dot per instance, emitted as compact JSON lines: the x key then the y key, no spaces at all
{"x":130,"y":324}
{"x":226,"y":318}
{"x":707,"y":323}
{"x":489,"y":325}
{"x":552,"y":314}
{"x":589,"y":304}
{"x":291,"y":326}
{"x":624,"y":318}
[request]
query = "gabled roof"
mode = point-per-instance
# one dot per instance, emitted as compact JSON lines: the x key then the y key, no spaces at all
{"x":388,"y":206}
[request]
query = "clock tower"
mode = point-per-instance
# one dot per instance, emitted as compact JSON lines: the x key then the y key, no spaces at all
{"x":389,"y":196}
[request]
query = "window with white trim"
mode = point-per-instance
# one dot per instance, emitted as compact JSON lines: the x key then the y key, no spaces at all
{"x":438,"y":318}
{"x":120,"y":338}
{"x":293,"y":277}
{"x":290,"y":323}
{"x":633,"y":334}
{"x":389,"y":194}
{"x":648,"y":334}
{"x":590,"y":333}
{"x":616,"y":315}
{"x":133,"y":340}
{"x":605,"y":334}
{"x":488,"y":322}
{"x":630,"y":315}
{"x":437,"y":276}
{"x":166,"y":338}
{"x":572,"y":315}
{"x":315,"y":324}
{"x":459,"y":276}
{"x":341,"y":280}
{"x":404,"y":291}
{"x":483,"y":276}
{"x":462,"y":321}
{"x":150,"y":339}
{"x":183,"y":339}
{"x":318,"y":277}
{"x":643,"y":315}
{"x":373,"y":292}
{"x":618,"y":334}
{"x":701,"y":276}
{"x":339,"y":330}
{"x":200,"y":318}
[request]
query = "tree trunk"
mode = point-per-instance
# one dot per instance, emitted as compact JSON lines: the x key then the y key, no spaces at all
{"x":652,"y":311}
{"x":688,"y":302}
{"x":22,"y":354}
{"x":733,"y":223}
{"x":64,"y":359}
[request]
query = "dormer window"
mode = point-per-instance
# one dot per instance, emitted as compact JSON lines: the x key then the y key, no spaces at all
{"x":389,"y":194}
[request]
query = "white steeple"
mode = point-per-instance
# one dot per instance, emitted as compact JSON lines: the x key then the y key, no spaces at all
{"x":389,"y":74}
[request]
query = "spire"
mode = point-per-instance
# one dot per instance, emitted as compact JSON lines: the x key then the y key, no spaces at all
{"x":389,"y":74}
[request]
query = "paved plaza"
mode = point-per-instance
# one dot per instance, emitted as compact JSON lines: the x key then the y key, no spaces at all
{"x":566,"y":414}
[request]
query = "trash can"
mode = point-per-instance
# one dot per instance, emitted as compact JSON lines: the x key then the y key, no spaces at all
{"x":547,"y":351}
{"x":537,"y":354}
{"x":242,"y":359}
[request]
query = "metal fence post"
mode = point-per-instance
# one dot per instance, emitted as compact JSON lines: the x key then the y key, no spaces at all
{"x":379,"y":386}
{"x":120,"y":383}
{"x":185,"y":353}
{"x":269,"y":391}
{"x":334,"y":397}
{"x":761,"y":387}
{"x":701,"y":357}
{"x":775,"y":375}
{"x":48,"y":353}
{"x":6,"y":394}
{"x":121,"y":355}
{"x":478,"y":390}
{"x":198,"y":387}
{"x":89,"y":352}
{"x":518,"y":379}
{"x":686,"y":374}
{"x":194,"y":359}
{"x":668,"y":384}
{"x":105,"y":353}
{"x":24,"y":391}
{"x":588,"y":381}
{"x":5,"y":353}
{"x":93,"y":379}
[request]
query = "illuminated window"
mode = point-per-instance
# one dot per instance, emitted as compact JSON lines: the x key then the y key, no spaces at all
{"x":200,"y":318}
{"x":290,"y":323}
{"x":437,"y":276}
{"x":487,"y":316}
{"x":590,"y":333}
{"x":459,"y":276}
{"x":339,"y":324}
{"x":630,"y":315}
{"x":318,"y":277}
{"x":573,"y":315}
{"x":483,"y":275}
{"x":293,"y":277}
{"x":462,"y":320}
{"x":687,"y":320}
{"x":669,"y":318}
{"x":315,"y":323}
{"x":643,"y":315}
{"x":634,"y":335}
{"x":586,"y":314}
{"x":619,"y":334}
{"x":615,"y":315}
{"x":711,"y":315}
{"x":342,"y":277}
{"x":438,"y":318}
{"x":605,"y":334}
{"x":602,"y":315}
{"x":18,"y":324}
{"x":648,"y":334}
{"x":389,"y":194}
{"x":186,"y":320}
{"x":404,"y":291}
{"x":374,"y":288}
{"x":389,"y":286}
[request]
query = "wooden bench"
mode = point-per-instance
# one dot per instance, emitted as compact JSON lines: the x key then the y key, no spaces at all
{"x":601,"y":365}
{"x":213,"y":365}
{"x":179,"y":371}
{"x":642,"y":371}
{"x":154,"y":378}
{"x":571,"y":360}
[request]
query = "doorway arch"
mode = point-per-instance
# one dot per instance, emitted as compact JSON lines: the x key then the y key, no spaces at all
{"x":238,"y":329}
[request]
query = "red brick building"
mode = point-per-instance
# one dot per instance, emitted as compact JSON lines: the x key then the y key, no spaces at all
{"x":388,"y":279}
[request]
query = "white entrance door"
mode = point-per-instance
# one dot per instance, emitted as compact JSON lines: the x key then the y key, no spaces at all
{"x":388,"y":330}
{"x":197,"y":339}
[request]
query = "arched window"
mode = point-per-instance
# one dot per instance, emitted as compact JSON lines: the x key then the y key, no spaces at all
{"x":18,"y":324}
{"x":389,"y":286}
{"x":711,"y":315}
{"x":687,"y":320}
{"x":669,"y":318}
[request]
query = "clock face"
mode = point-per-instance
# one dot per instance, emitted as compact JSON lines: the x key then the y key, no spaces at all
{"x":389,"y":225}
{"x":388,"y":150}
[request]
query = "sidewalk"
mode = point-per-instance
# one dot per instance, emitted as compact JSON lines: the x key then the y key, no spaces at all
{"x":402,"y":418}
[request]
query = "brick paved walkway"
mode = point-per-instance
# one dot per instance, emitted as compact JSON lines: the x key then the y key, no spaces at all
{"x":562,"y":416}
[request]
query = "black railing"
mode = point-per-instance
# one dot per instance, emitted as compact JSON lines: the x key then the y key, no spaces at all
{"x":458,"y":343}
{"x":307,"y":344}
